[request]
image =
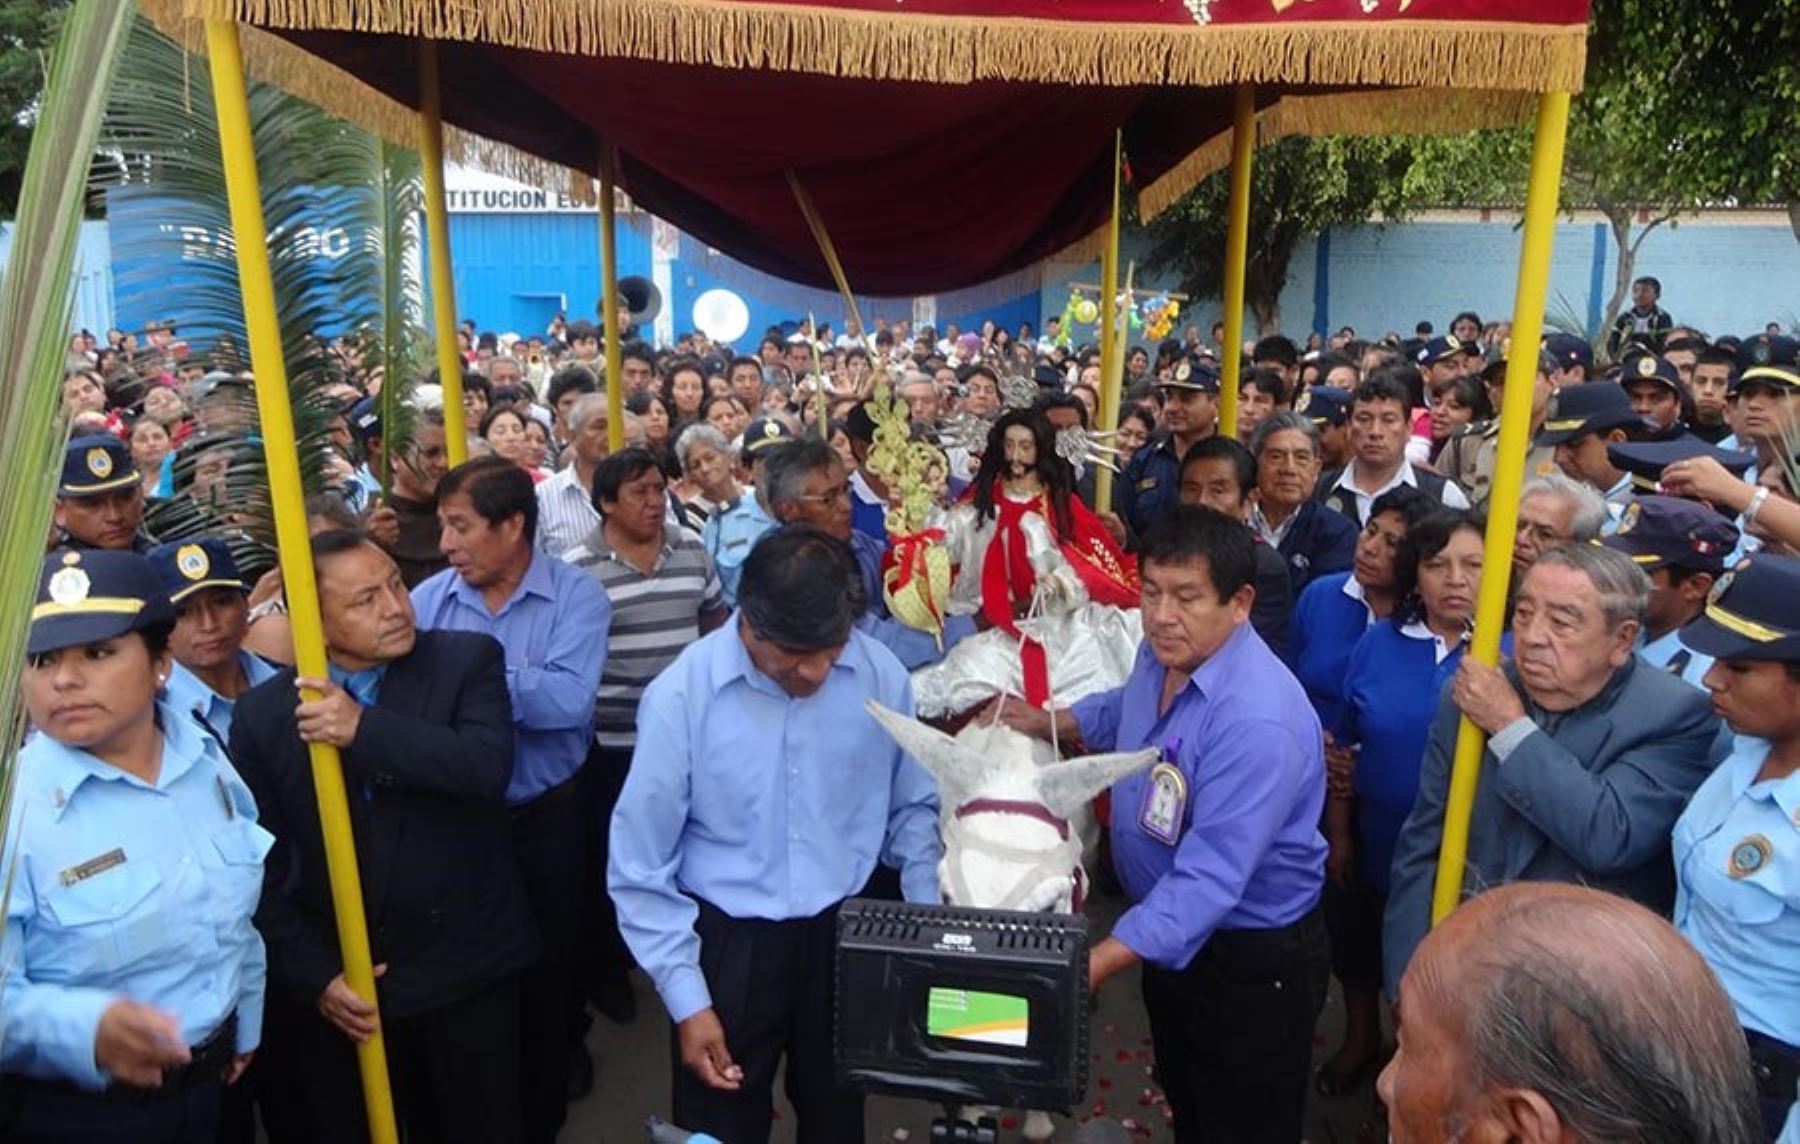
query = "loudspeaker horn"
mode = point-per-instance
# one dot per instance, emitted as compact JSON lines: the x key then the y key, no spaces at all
{"x":642,"y":300}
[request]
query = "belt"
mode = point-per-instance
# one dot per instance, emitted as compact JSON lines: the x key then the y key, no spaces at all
{"x":207,"y":1062}
{"x":1776,"y":1066}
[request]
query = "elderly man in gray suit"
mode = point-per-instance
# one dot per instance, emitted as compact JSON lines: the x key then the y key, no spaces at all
{"x":1592,"y":754}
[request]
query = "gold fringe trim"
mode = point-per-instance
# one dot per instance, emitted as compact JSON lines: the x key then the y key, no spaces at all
{"x":1423,"y":111}
{"x":957,"y":49}
{"x":272,"y":60}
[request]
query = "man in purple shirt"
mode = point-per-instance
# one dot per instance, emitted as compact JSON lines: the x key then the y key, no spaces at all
{"x":1218,"y":846}
{"x":552,"y":620}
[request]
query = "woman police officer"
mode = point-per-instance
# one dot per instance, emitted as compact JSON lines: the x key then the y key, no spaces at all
{"x":1737,"y":846}
{"x":133,"y":979}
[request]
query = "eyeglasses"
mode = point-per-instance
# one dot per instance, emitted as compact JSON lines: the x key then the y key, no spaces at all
{"x":837,"y":493}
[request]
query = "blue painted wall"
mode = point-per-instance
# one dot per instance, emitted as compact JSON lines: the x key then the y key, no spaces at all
{"x":514,"y":271}
{"x":1721,"y":277}
{"x":93,"y":276}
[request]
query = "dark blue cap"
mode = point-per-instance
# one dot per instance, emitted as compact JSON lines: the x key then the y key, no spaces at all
{"x":1326,"y":405}
{"x":1449,"y":345}
{"x":762,"y":433}
{"x":1750,"y":614}
{"x":365,"y":420}
{"x":1577,"y":410}
{"x":1770,"y":361}
{"x":187,"y":566}
{"x":1570,"y":350}
{"x":1048,"y":376}
{"x":97,"y":463}
{"x":1645,"y":460}
{"x":1668,"y":532}
{"x":1194,"y":372}
{"x":87,"y":596}
{"x":1650,"y":367}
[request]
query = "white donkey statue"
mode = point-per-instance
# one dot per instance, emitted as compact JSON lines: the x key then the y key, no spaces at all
{"x":1014,"y":819}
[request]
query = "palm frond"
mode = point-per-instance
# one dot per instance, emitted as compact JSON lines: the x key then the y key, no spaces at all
{"x":339,"y":209}
{"x":36,"y":303}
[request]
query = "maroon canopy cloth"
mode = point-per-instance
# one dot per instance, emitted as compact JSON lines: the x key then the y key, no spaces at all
{"x":935,"y":137}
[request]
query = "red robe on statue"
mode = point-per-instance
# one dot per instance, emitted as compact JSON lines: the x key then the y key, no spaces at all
{"x":1008,"y":579}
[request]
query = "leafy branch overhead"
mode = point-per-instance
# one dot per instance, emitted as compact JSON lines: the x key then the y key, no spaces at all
{"x":1688,"y":104}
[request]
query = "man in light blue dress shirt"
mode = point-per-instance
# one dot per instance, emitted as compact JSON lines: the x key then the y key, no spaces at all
{"x":212,"y":616}
{"x":803,"y":481}
{"x":762,"y":794}
{"x":551,"y":620}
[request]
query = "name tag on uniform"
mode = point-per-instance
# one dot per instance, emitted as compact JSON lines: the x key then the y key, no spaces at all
{"x":81,"y":872}
{"x":1146,"y":484}
{"x":730,"y":544}
{"x":1164,"y":800}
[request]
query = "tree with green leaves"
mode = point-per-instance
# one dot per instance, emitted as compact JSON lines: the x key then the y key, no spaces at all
{"x":1299,"y":187}
{"x":28,"y":28}
{"x":1687,"y":104}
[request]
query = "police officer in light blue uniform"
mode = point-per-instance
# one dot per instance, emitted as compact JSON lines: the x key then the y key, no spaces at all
{"x":1737,"y":846}
{"x":133,"y":980}
{"x":212,"y":616}
{"x":733,"y":531}
{"x":1682,"y":546}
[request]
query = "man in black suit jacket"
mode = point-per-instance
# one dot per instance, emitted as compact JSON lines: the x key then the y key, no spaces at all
{"x":424,"y":723}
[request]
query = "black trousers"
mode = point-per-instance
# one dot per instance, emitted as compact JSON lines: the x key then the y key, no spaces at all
{"x":603,"y":951}
{"x":1233,"y":1032}
{"x":35,"y":1112}
{"x":454,"y":1072}
{"x":1353,"y":917}
{"x":272,"y":1085}
{"x":550,"y":840}
{"x":771,"y":985}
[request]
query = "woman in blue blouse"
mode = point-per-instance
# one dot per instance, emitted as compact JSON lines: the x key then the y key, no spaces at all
{"x":133,"y":980}
{"x":1390,"y":694}
{"x":1335,"y":610}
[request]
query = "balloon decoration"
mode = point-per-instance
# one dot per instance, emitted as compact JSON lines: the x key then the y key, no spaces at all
{"x":1159,"y":314}
{"x":1155,"y":315}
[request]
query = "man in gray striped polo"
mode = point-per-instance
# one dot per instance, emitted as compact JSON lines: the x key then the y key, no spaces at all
{"x":665,"y":594}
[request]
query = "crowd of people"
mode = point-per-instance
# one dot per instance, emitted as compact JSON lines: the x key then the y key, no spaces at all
{"x":603,"y":710}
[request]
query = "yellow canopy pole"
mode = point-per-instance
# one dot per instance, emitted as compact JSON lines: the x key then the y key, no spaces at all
{"x":1509,"y":474}
{"x":1112,"y":359}
{"x":609,"y":300}
{"x":288,"y":500}
{"x":1237,"y":254}
{"x":437,"y":237}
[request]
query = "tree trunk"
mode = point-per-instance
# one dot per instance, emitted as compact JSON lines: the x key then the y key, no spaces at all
{"x":1619,"y":219}
{"x":1266,"y":308}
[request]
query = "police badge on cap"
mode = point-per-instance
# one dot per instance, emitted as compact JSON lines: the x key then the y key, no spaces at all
{"x":99,"y":463}
{"x":191,"y":561}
